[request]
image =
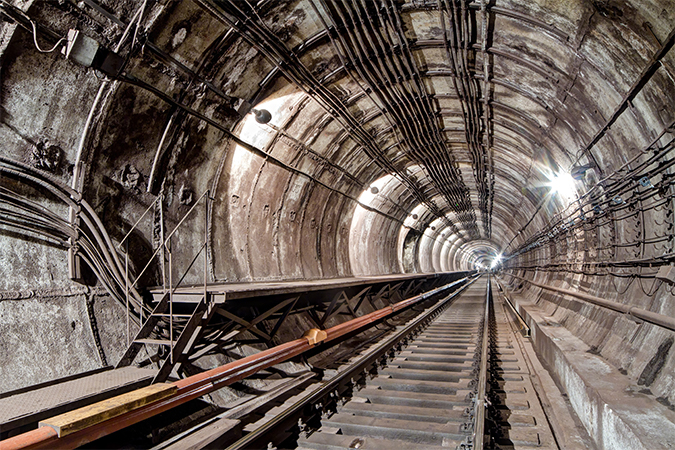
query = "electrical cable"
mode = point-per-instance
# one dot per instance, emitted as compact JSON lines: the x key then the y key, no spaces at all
{"x":653,"y":290}
{"x":37,"y":46}
{"x":626,"y":182}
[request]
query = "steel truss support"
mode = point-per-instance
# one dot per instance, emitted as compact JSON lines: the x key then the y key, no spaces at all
{"x":258,"y":319}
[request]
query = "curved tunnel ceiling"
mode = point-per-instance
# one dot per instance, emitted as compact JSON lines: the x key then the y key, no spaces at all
{"x":404,"y":136}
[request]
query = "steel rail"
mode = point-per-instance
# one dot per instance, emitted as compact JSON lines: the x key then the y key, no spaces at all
{"x":348,"y":373}
{"x":201,"y":384}
{"x":524,"y":327}
{"x":481,"y":404}
{"x":648,"y":316}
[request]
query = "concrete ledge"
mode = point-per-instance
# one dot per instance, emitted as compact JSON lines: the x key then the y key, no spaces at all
{"x":611,"y":408}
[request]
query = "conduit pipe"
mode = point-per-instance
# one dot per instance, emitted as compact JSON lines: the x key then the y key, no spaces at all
{"x":648,"y":316}
{"x":201,"y":384}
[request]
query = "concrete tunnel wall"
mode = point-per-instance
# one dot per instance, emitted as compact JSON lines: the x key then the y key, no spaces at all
{"x":570,"y":85}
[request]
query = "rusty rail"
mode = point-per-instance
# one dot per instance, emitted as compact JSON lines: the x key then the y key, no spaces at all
{"x":648,"y":316}
{"x":201,"y":384}
{"x":481,"y":403}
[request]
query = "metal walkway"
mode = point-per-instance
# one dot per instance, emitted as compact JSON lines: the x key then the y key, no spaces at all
{"x":25,"y":408}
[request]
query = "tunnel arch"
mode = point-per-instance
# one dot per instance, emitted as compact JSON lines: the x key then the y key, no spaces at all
{"x":461,"y":155}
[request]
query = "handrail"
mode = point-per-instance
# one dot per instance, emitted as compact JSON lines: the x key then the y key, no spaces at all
{"x":133,"y":227}
{"x":95,"y":245}
{"x":166,"y":240}
{"x":163,"y":247}
{"x":166,"y":247}
{"x":648,"y":316}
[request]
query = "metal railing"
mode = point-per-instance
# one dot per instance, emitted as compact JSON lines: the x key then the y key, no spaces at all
{"x":165,"y":253}
{"x":85,"y":236}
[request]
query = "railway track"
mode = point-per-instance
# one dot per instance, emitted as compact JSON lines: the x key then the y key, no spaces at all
{"x":424,"y":397}
{"x":455,"y":377}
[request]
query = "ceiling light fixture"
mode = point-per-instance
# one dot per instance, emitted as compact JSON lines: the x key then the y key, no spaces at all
{"x":563,"y":184}
{"x":262,"y":115}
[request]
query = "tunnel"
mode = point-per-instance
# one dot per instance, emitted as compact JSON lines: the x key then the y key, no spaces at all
{"x":188,"y":184}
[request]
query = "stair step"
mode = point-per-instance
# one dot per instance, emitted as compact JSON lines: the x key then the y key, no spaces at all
{"x":186,"y":316}
{"x":155,"y":341}
{"x":185,"y":297}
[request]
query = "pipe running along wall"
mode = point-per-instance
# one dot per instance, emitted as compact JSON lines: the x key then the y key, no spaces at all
{"x":648,"y":316}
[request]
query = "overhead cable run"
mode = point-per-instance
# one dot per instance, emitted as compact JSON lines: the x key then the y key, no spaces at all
{"x":291,"y":67}
{"x":83,"y":233}
{"x":488,"y":126}
{"x":457,"y":46}
{"x":625,"y":195}
{"x":111,"y":64}
{"x":373,"y":42}
{"x":349,"y":67}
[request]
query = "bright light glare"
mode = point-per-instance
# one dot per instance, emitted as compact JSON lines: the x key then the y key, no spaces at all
{"x":563,"y":184}
{"x":496,"y":261}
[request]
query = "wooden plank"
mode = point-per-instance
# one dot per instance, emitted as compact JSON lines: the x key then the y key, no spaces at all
{"x":87,"y":416}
